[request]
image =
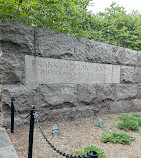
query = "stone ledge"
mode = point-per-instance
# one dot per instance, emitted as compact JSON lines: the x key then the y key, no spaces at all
{"x":6,"y":148}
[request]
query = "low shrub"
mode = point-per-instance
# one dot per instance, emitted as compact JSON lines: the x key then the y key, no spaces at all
{"x":137,"y":117}
{"x":115,"y":137}
{"x":129,"y":125}
{"x":130,"y":122}
{"x":85,"y":150}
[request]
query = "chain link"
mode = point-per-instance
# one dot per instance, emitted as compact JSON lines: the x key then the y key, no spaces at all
{"x":52,"y":146}
{"x":18,"y":113}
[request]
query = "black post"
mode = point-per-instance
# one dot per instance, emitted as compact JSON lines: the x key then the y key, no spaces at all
{"x":12,"y":114}
{"x":31,"y":131}
{"x":92,"y":154}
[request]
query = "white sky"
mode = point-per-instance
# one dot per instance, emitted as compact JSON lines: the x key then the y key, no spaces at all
{"x":129,"y":5}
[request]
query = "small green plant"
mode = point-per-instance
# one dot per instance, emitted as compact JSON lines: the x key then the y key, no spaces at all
{"x":137,"y":115}
{"x":115,"y":137}
{"x":129,"y":125}
{"x":130,"y":122}
{"x":85,"y":150}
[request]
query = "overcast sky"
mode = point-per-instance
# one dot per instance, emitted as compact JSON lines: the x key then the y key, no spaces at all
{"x":129,"y":5}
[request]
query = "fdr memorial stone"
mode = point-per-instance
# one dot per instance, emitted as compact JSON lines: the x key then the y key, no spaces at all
{"x":41,"y":70}
{"x":65,"y":77}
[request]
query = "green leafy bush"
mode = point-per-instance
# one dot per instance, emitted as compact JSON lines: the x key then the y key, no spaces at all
{"x":137,"y":117}
{"x":65,"y":16}
{"x":129,"y":125}
{"x":130,"y":122}
{"x":115,"y":137}
{"x":85,"y":150}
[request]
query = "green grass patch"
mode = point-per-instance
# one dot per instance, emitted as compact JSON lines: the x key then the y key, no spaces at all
{"x":85,"y":150}
{"x":130,"y":122}
{"x":115,"y":137}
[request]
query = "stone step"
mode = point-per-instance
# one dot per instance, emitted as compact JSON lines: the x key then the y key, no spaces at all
{"x":7,"y":149}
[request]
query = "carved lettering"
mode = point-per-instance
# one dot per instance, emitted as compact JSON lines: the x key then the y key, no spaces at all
{"x":48,"y":71}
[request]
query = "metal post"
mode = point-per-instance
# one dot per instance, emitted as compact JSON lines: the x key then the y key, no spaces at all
{"x":31,"y":131}
{"x":12,"y":114}
{"x":92,"y":154}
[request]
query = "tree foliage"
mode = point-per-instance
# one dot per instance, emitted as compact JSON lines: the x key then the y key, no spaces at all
{"x":113,"y":26}
{"x":119,"y":28}
{"x":61,"y":15}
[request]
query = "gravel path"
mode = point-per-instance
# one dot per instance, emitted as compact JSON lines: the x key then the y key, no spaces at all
{"x":73,"y":136}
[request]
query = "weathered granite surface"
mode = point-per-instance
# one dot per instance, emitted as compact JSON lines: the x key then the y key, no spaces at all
{"x":65,"y":101}
{"x":126,"y":91}
{"x":0,"y":105}
{"x":16,"y":41}
{"x":68,"y":101}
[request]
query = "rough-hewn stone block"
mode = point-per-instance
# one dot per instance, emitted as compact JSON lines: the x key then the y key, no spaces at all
{"x":106,"y":92}
{"x":138,"y":74}
{"x":86,"y":93}
{"x":120,"y":106}
{"x":12,"y":67}
{"x":99,"y":52}
{"x":126,"y":91}
{"x":16,"y":41}
{"x":54,"y":45}
{"x":139,"y":90}
{"x":127,"y":57}
{"x":139,"y":58}
{"x":128,"y":74}
{"x":136,"y":105}
{"x":17,"y":34}
{"x":51,"y":96}
{"x":80,"y":49}
{"x":59,"y":95}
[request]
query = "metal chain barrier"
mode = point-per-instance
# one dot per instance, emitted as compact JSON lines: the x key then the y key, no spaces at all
{"x":33,"y":118}
{"x":52,"y":146}
{"x":18,"y":113}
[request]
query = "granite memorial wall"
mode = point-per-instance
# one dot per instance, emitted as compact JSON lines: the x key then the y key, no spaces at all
{"x":65,"y":77}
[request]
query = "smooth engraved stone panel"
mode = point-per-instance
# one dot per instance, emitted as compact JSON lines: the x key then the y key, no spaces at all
{"x":115,"y":74}
{"x":108,"y":73}
{"x":52,"y":70}
{"x":30,"y":71}
{"x":41,"y":70}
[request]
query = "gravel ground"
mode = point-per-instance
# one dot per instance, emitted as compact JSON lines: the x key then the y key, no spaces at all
{"x":73,"y":136}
